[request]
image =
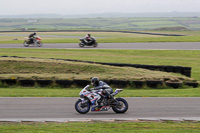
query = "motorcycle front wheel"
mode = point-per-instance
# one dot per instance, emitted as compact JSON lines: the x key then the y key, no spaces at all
{"x":26,"y":43}
{"x":95,"y":44}
{"x":81,"y":45}
{"x":122,"y":107}
{"x":39,"y":43}
{"x":82,"y":108}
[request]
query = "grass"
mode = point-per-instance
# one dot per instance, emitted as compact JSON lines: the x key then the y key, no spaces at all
{"x":73,"y":92}
{"x":102,"y":127}
{"x":188,"y":58}
{"x":28,"y":68}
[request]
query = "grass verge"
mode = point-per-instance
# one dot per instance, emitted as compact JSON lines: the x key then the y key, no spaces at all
{"x":99,"y":127}
{"x":74,"y":92}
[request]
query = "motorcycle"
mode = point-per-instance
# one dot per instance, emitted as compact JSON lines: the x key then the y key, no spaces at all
{"x":88,"y":99}
{"x":83,"y":42}
{"x":36,"y":41}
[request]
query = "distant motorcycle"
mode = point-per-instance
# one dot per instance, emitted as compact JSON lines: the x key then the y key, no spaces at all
{"x":88,"y":99}
{"x":36,"y":41}
{"x":92,"y":42}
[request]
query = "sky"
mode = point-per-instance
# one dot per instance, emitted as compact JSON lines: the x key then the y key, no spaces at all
{"x":72,"y":7}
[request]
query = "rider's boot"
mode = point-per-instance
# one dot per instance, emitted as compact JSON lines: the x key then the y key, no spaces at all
{"x":111,"y":99}
{"x":98,"y":104}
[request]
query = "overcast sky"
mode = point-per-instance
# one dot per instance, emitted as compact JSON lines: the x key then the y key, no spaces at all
{"x":66,"y":7}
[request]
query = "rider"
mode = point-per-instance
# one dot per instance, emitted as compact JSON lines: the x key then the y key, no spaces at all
{"x":31,"y":37}
{"x":107,"y":90}
{"x":88,"y":38}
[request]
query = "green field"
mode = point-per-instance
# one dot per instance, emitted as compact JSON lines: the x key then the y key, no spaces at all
{"x":50,"y":24}
{"x":102,"y":127}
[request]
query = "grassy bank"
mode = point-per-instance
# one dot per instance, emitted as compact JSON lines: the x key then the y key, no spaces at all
{"x":73,"y":92}
{"x":99,"y":127}
{"x":33,"y":68}
{"x":188,"y":58}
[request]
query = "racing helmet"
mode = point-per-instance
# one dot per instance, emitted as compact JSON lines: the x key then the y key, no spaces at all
{"x":34,"y":33}
{"x":95,"y":81}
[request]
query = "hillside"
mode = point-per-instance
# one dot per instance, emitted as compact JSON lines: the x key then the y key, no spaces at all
{"x":100,"y":23}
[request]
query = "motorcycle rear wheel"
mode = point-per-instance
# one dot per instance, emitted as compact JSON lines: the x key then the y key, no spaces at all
{"x":26,"y":43}
{"x":82,"y":109}
{"x":81,"y":45}
{"x":123,"y":106}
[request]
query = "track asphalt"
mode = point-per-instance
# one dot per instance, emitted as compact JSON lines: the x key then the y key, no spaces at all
{"x":62,"y":109}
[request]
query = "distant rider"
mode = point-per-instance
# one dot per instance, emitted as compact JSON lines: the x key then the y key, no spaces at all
{"x":88,"y":38}
{"x":32,"y":37}
{"x":107,"y":90}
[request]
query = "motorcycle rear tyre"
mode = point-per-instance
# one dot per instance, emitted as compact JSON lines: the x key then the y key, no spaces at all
{"x":80,"y":111}
{"x":117,"y":110}
{"x":81,"y":45}
{"x":26,"y":44}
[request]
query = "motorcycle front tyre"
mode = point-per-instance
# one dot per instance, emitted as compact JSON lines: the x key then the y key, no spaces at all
{"x":39,"y":43}
{"x":79,"y":108}
{"x":95,"y":44}
{"x":81,"y":45}
{"x":26,"y":43}
{"x":124,"y":105}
